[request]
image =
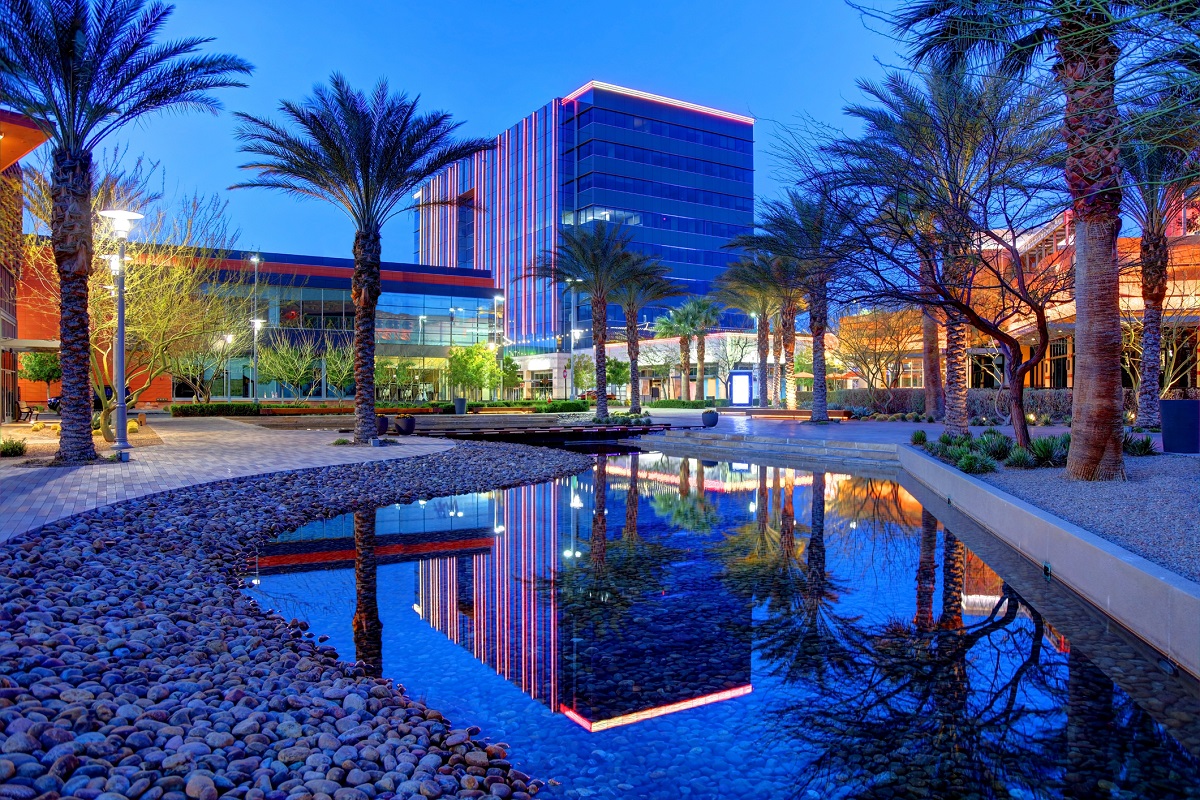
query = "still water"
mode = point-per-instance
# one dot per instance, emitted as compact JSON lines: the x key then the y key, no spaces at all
{"x":668,"y":627}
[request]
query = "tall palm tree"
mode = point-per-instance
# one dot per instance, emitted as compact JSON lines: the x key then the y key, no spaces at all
{"x":810,"y":235}
{"x":744,"y":285}
{"x":1084,"y":42}
{"x":704,"y":314}
{"x":647,"y":284}
{"x":368,"y":628}
{"x":364,"y":153}
{"x":678,"y":324}
{"x":81,"y":70}
{"x":596,"y":261}
{"x":1161,"y":163}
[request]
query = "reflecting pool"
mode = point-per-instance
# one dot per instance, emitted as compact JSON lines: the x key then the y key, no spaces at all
{"x":668,"y":627}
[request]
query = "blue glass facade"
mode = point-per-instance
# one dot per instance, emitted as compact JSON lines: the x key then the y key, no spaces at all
{"x":677,"y":177}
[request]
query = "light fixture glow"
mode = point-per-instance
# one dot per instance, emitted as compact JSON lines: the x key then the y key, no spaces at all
{"x":122,"y":220}
{"x":657,"y":711}
{"x":657,"y":98}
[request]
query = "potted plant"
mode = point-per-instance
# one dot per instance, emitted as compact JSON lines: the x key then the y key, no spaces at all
{"x":1180,"y":426}
{"x":405,"y":424}
{"x":709,"y":417}
{"x":381,"y":424}
{"x":460,"y":405}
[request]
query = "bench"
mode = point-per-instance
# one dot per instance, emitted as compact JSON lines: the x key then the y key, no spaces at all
{"x":503,"y":410}
{"x":27,"y":413}
{"x":787,"y":413}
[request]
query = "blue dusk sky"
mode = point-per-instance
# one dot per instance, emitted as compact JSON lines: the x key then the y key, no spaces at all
{"x":489,"y":64}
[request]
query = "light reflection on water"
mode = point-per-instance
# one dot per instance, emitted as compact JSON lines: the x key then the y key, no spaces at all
{"x":669,"y":627}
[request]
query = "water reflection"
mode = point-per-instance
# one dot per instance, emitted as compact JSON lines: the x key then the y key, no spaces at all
{"x":830,"y":632}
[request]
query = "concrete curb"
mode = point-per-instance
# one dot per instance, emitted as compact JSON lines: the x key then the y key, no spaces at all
{"x":1152,"y":602}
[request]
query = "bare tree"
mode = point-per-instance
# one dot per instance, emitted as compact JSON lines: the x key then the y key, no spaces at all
{"x":874,"y":344}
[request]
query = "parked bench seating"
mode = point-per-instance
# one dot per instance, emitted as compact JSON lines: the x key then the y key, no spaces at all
{"x":787,"y":413}
{"x":503,"y":410}
{"x":27,"y":413}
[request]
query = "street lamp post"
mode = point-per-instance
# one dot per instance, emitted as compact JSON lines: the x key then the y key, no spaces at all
{"x":122,"y":222}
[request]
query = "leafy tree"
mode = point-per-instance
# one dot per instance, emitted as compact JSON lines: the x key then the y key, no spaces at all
{"x":745,"y":285}
{"x":291,"y":362}
{"x":364,"y":153}
{"x":617,"y":372}
{"x":583,"y":367}
{"x":648,"y":284}
{"x":1081,"y":44}
{"x":81,"y":70}
{"x":473,"y":367}
{"x":510,"y":374}
{"x":339,"y":364}
{"x":594,"y":260}
{"x":41,"y":368}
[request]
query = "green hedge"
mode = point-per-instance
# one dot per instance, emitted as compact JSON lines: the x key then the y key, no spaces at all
{"x":561,"y":406}
{"x":215,"y":409}
{"x":711,"y":403}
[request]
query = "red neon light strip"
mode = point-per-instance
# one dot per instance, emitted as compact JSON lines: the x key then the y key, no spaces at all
{"x":658,"y":711}
{"x":386,"y":550}
{"x":608,"y":87}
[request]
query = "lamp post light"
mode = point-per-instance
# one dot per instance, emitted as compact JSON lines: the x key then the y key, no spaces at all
{"x":122,"y":222}
{"x":421,"y":334}
{"x":452,"y":323}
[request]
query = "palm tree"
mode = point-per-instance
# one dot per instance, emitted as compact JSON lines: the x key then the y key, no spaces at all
{"x":1161,"y":163}
{"x":364,"y":154}
{"x":368,"y":628}
{"x":81,"y":70}
{"x":648,"y":284}
{"x":1084,"y":41}
{"x":744,"y":286}
{"x":596,"y":261}
{"x":704,"y":314}
{"x":678,"y":324}
{"x":809,"y":234}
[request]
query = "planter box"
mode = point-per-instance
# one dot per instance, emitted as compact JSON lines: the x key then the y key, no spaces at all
{"x":1180,"y":426}
{"x":268,"y":411}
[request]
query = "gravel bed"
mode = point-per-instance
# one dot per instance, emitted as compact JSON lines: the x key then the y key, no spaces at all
{"x":1153,"y":513}
{"x":134,"y":667}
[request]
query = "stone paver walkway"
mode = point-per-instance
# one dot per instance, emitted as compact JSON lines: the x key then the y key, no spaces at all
{"x":193,"y":451}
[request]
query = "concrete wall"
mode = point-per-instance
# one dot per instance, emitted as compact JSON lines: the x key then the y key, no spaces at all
{"x":1152,"y":602}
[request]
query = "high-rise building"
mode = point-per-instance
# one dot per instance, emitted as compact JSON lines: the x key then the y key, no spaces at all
{"x":678,"y":177}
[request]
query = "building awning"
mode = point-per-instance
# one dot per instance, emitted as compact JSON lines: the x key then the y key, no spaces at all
{"x":30,"y":345}
{"x":20,"y":137}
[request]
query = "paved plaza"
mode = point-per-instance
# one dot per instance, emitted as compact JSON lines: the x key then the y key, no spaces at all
{"x":192,"y":451}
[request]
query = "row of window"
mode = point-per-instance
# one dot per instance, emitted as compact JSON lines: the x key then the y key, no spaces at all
{"x":665,"y":222}
{"x":641,"y":155}
{"x":669,"y":191}
{"x":685,"y":255}
{"x":617,"y":119}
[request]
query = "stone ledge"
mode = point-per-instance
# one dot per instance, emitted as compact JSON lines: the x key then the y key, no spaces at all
{"x":1155,"y":604}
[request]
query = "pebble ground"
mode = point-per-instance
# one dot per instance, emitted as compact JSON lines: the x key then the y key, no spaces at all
{"x":134,"y":667}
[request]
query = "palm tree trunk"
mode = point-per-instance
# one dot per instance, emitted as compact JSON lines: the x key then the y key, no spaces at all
{"x":818,"y":315}
{"x":956,"y":418}
{"x":1154,"y":290}
{"x":789,"y":357}
{"x":685,"y":477}
{"x":764,"y":346}
{"x":953,"y":571}
{"x":926,"y":573}
{"x":814,"y":561}
{"x":599,"y":340}
{"x":685,"y":367}
{"x":364,"y":291}
{"x":368,"y":628}
{"x":700,"y":390}
{"x":931,"y":366}
{"x":787,"y":519}
{"x":71,"y":237}
{"x":1087,"y":71}
{"x":777,"y":359}
{"x":633,"y":348}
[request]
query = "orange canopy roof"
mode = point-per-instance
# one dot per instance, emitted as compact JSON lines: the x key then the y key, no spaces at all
{"x":20,"y":138}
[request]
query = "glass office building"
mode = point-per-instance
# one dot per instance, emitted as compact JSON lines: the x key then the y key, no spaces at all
{"x":678,"y":177}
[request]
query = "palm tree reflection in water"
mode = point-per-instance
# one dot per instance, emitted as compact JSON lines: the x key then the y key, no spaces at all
{"x":368,"y":629}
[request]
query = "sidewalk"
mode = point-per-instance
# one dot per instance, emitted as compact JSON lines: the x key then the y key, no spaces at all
{"x":193,"y":451}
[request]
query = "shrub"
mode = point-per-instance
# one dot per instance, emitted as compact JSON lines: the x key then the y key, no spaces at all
{"x":560,"y":406}
{"x":37,"y":426}
{"x":215,"y":409}
{"x":1020,"y":458}
{"x":56,"y":428}
{"x":10,"y":448}
{"x":912,"y":416}
{"x":995,"y":445}
{"x":895,"y":417}
{"x":340,"y":442}
{"x":956,"y":453}
{"x":976,"y":464}
{"x":1048,"y":451}
{"x":919,"y":438}
{"x":946,"y":439}
{"x":131,"y":426}
{"x":1138,"y":445}
{"x":700,"y":404}
{"x":936,"y":449}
